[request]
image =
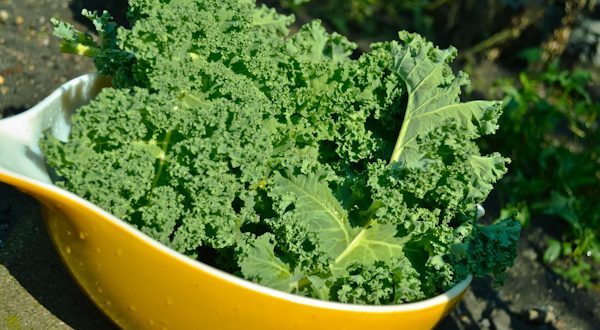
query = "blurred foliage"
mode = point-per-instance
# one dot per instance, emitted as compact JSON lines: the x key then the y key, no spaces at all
{"x":503,"y":27}
{"x":550,"y":131}
{"x":372,"y":17}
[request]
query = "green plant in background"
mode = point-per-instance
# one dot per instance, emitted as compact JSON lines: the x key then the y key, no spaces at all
{"x":372,"y":17}
{"x":550,"y":130}
{"x":503,"y":26}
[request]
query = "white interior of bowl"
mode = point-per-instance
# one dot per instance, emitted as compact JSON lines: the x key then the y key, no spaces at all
{"x":20,"y":134}
{"x":21,"y":157}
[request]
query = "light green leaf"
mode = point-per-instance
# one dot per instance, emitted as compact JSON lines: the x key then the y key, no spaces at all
{"x":319,"y":210}
{"x":319,"y":286}
{"x":269,"y":19}
{"x":433,"y":96}
{"x":317,"y":207}
{"x":262,"y":265}
{"x":373,"y":243}
{"x":553,"y":251}
{"x":63,"y":30}
{"x":313,"y":43}
{"x":486,"y":170}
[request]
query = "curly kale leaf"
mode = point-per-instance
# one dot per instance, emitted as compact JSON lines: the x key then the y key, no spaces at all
{"x":263,"y":266}
{"x":199,"y":159}
{"x":110,"y":60}
{"x":433,"y":96}
{"x":327,"y":234}
{"x":320,"y":214}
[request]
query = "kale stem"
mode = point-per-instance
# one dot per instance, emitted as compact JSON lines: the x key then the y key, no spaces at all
{"x":77,"y":48}
{"x":161,"y":158}
{"x":303,"y":282}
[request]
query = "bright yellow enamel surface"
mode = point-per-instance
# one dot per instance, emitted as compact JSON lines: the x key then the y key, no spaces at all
{"x":140,"y":284}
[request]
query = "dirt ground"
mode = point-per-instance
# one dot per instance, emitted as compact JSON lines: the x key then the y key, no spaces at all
{"x":36,"y":291}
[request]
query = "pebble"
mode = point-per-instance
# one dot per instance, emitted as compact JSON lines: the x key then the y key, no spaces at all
{"x":529,"y":254}
{"x":1,"y":80}
{"x":550,"y":316}
{"x":4,"y":16}
{"x":542,"y":315}
{"x":501,"y":319}
{"x":485,"y":324}
{"x":474,"y":305}
{"x":533,"y":315}
{"x":465,"y":319}
{"x":4,"y":90}
{"x":560,"y":324}
{"x":19,"y":20}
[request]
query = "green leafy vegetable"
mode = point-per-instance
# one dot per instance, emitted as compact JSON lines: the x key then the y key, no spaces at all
{"x":265,"y":153}
{"x":433,"y":94}
{"x":554,"y":141}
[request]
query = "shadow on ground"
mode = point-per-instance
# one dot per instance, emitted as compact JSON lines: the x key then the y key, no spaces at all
{"x":26,"y":252}
{"x":30,"y":258}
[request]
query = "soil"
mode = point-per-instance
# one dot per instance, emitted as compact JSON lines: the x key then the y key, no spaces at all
{"x":36,"y":291}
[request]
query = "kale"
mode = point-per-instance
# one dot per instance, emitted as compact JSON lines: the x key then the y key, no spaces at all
{"x":354,"y":180}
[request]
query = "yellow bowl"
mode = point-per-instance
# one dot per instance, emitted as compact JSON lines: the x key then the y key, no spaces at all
{"x":140,"y":283}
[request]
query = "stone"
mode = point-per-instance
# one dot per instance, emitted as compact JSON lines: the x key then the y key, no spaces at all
{"x":474,"y":305}
{"x":550,"y":316}
{"x":4,"y":16}
{"x":533,"y":315}
{"x":485,"y":324}
{"x":500,"y":319}
{"x":529,"y":254}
